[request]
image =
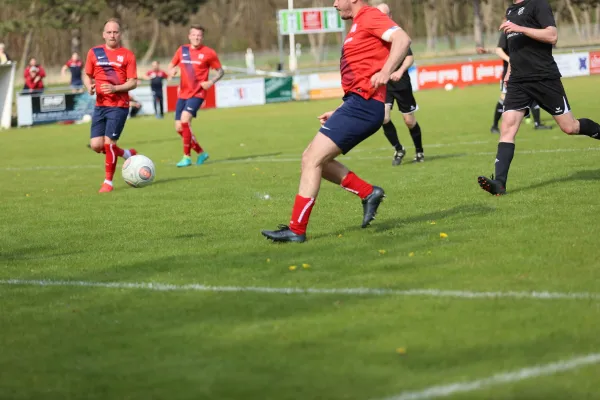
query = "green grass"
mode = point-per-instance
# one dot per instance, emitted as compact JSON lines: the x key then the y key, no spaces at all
{"x":202,"y":225}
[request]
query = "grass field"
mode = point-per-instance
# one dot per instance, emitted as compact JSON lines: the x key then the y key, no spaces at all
{"x":72,"y":327}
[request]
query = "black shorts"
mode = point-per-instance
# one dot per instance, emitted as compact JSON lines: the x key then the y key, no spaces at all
{"x":549,"y":94}
{"x":405,"y":99}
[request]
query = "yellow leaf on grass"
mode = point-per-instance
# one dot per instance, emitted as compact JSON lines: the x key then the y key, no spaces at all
{"x":292,"y":267}
{"x":305,"y":266}
{"x":382,"y":251}
{"x":443,"y":235}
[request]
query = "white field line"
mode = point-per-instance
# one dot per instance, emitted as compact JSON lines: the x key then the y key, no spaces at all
{"x":297,"y":159}
{"x":360,"y":291}
{"x":502,"y":378}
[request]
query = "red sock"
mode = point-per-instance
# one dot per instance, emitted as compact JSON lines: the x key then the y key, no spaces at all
{"x":195,"y":145}
{"x":112,"y":152}
{"x":354,"y":184}
{"x":301,"y":213}
{"x":186,"y":134}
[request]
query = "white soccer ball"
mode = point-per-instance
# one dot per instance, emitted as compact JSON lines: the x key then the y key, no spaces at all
{"x":449,"y":87}
{"x":138,"y":171}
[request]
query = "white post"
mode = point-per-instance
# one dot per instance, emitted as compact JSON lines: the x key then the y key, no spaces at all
{"x":293,"y":61}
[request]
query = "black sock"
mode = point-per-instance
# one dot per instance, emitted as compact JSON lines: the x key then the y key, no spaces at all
{"x":392,"y":136}
{"x":498,"y":113}
{"x":415,"y":133}
{"x":535,"y":110}
{"x":504,"y":157}
{"x":589,"y":128}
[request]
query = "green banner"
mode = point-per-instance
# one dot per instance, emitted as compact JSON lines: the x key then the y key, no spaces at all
{"x":278,"y":89}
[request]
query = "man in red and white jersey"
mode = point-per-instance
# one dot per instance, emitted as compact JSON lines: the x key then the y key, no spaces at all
{"x":195,"y":60}
{"x":110,"y":73}
{"x":372,"y":51}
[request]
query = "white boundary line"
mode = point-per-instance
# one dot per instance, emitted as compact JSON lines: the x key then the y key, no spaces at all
{"x":251,"y":159}
{"x":502,"y":378}
{"x":360,"y":291}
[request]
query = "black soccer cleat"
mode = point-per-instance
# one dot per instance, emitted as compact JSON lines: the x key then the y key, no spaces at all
{"x":284,"y":234}
{"x":494,"y":129}
{"x":419,"y":157}
{"x":492,"y":186}
{"x":543,"y":127}
{"x":371,"y":204}
{"x":398,"y":156}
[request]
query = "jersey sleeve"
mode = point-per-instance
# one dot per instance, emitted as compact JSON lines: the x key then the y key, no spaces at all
{"x":176,"y":58}
{"x":41,"y":72}
{"x":131,"y":67}
{"x":410,"y":53}
{"x":89,"y":63}
{"x":215,"y":63}
{"x":381,"y":25}
{"x":543,"y":14}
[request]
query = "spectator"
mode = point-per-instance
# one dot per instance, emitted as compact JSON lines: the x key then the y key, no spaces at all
{"x":33,"y":82}
{"x":74,"y":64}
{"x":156,"y":76}
{"x":38,"y":75}
{"x":4,"y":58}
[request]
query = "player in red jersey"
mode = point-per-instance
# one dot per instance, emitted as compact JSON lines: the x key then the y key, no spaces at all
{"x":366,"y":64}
{"x":110,"y":72}
{"x":194,"y":61}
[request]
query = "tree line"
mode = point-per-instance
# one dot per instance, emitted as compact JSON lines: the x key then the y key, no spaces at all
{"x":52,"y":29}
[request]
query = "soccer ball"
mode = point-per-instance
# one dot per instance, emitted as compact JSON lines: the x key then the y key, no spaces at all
{"x":138,"y":171}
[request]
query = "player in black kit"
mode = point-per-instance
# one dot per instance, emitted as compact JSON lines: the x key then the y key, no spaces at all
{"x":503,"y":51}
{"x":399,"y":89}
{"x":532,"y":75}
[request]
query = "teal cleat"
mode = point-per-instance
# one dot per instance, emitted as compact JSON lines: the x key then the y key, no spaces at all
{"x":186,"y":161}
{"x":201,"y":158}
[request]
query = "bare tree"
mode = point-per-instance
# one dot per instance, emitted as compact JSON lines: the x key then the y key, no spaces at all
{"x":431,"y":23}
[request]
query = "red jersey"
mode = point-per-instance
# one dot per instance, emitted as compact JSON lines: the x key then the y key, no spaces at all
{"x":195,"y":64}
{"x":41,"y":73}
{"x":30,"y":84}
{"x":112,"y":66}
{"x":365,"y":51}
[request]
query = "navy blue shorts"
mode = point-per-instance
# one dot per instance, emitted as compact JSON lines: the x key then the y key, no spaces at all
{"x":190,"y":105}
{"x":109,"y":122}
{"x":354,"y":121}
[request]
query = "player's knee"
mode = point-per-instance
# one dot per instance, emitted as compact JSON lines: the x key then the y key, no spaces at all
{"x":98,"y":147}
{"x":410,"y":120}
{"x":569,"y":128}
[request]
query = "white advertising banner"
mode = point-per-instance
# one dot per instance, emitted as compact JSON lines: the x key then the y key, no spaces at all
{"x":573,"y":64}
{"x":240,"y":92}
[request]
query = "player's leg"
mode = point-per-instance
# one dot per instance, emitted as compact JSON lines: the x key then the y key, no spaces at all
{"x":516,"y":106}
{"x":499,"y":109}
{"x":553,"y":99}
{"x":191,"y":107}
{"x":115,"y":122}
{"x":390,"y":130}
{"x":97,"y":130}
{"x":408,"y":106}
{"x":537,"y":118}
{"x":158,"y":101}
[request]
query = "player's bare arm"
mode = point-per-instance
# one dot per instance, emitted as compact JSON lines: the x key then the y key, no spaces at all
{"x":400,"y":44}
{"x":130,"y":84}
{"x":546,"y":35}
{"x":406,"y":64}
{"x":502,"y":54}
{"x":220,"y":73}
{"x":89,"y":83}
{"x":171,"y":71}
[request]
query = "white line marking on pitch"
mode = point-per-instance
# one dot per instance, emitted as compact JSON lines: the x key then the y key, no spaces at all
{"x":252,"y":159}
{"x":502,"y":378}
{"x":361,"y":291}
